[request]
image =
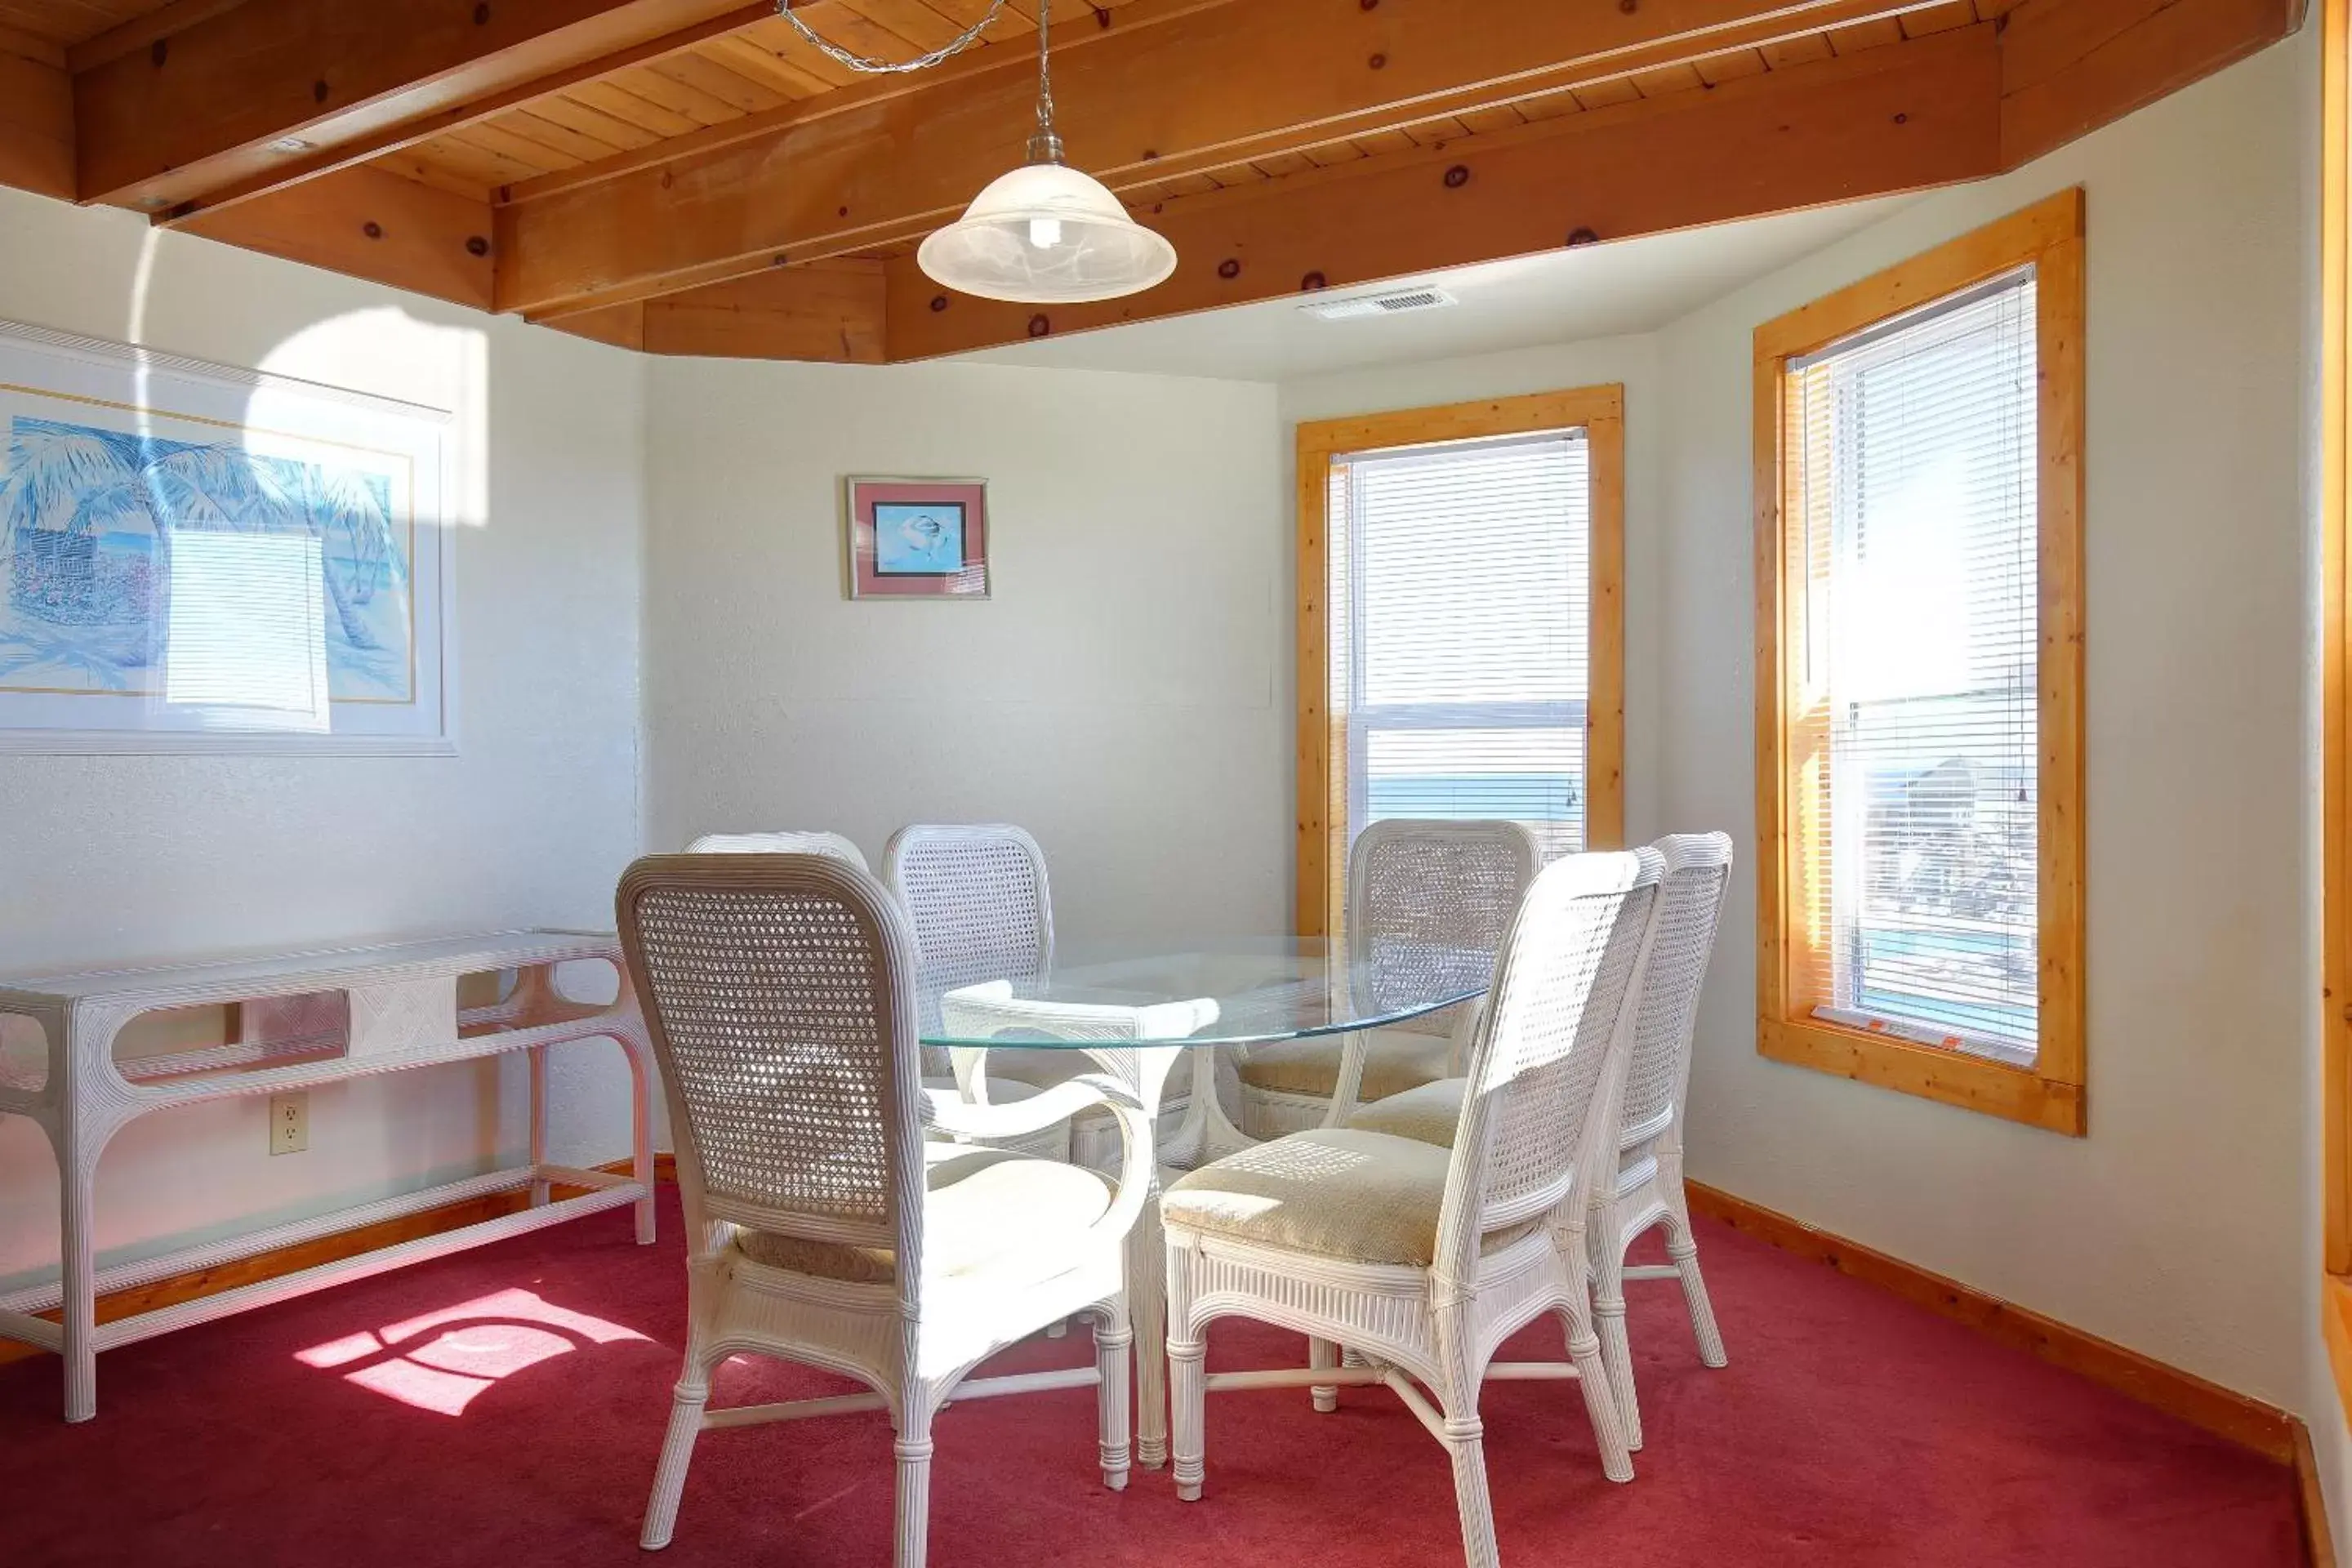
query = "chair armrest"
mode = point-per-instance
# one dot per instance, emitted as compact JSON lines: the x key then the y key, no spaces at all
{"x":1139,"y":1163}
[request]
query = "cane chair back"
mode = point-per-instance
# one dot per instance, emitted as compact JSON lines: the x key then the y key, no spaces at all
{"x":778,"y":993}
{"x":980,"y":903}
{"x":1690,"y":901}
{"x":1541,"y":1058}
{"x":811,"y":843}
{"x":1428,"y":901}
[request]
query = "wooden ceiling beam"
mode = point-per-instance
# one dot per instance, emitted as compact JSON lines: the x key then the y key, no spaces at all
{"x":281,"y":172}
{"x":832,"y":312}
{"x":198,"y":109}
{"x":1895,"y":118}
{"x":368,"y":224}
{"x":2071,"y":66}
{"x":1160,"y":92}
{"x":140,"y":32}
{"x":37,"y":135}
{"x":827,"y":311}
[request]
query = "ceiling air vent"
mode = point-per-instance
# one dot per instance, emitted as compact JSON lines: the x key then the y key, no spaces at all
{"x":1394,"y":303}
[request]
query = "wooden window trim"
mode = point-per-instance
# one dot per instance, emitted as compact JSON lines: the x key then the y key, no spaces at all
{"x":1599,"y":412}
{"x":2050,"y":1094}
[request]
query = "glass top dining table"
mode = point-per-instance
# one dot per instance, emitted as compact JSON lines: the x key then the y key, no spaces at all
{"x":1231,"y":992}
{"x":1140,"y":1011}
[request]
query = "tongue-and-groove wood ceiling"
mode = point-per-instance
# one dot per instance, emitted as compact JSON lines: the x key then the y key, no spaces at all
{"x":690,"y":176}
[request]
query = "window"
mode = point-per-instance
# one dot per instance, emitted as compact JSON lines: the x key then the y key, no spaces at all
{"x":1919,"y":716}
{"x":1460,"y":649}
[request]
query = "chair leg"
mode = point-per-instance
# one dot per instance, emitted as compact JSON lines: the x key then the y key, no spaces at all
{"x":912,"y":1540}
{"x":1188,"y":1360}
{"x":1114,"y":1347}
{"x":1147,"y":1305}
{"x":1465,"y":1446}
{"x":1605,"y":1244}
{"x":1592,"y":1373}
{"x":1321,"y":1354}
{"x":686,"y":1401}
{"x":1682,"y":1247}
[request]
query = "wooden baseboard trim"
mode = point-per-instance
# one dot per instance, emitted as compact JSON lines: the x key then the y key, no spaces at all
{"x":2249,"y":1422}
{"x":332,"y":1248}
{"x":2318,"y":1543}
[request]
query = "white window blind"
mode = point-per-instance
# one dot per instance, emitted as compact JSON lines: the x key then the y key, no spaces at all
{"x":1464,"y":570}
{"x":1915,"y":450}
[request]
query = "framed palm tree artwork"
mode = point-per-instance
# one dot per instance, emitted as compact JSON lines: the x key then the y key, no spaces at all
{"x":196,"y":558}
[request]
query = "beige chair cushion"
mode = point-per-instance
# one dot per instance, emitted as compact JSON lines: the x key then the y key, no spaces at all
{"x":981,"y":1206}
{"x":1428,"y":1114}
{"x":1335,"y":1192}
{"x":1394,"y":1060}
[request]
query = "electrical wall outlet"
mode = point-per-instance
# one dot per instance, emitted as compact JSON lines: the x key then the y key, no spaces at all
{"x":289,"y":1122}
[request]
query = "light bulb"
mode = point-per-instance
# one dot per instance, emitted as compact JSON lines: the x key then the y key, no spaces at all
{"x":1045,"y":232}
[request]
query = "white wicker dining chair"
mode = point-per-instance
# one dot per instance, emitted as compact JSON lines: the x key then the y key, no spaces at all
{"x":1648,"y":1190}
{"x":983,"y":909}
{"x":1046,"y":1142}
{"x":1423,"y":1259}
{"x":1428,"y":900}
{"x":822,"y":1227}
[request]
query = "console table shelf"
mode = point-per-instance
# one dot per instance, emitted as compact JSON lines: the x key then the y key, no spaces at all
{"x":300,"y":1020}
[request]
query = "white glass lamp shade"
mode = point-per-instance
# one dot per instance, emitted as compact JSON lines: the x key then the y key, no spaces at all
{"x":1047,"y":234}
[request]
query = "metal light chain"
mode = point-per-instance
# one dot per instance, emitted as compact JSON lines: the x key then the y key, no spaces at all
{"x":1046,"y":147}
{"x":871,"y":67}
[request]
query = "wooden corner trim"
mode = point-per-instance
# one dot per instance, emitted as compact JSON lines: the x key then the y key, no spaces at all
{"x":2335,"y":633}
{"x":2251,"y":1423}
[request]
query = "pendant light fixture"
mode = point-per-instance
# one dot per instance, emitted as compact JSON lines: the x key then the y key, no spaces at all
{"x":1047,"y":234}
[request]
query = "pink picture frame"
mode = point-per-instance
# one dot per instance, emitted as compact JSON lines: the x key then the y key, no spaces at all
{"x":917,"y":539}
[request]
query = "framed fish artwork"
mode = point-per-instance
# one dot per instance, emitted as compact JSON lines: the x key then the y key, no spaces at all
{"x":195,"y":558}
{"x":918,"y":539}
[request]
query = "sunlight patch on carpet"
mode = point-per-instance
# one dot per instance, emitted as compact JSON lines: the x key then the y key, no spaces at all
{"x":442,"y":1360}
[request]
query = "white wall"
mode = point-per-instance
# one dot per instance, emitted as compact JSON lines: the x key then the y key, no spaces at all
{"x":106,"y":860}
{"x":1123,"y":695}
{"x":2177,"y":1226}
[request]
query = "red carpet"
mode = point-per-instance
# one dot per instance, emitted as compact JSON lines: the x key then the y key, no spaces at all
{"x":1850,"y":1428}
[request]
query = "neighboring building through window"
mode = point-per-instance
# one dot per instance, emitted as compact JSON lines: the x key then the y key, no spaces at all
{"x":1459,"y":606}
{"x":1919,"y":716}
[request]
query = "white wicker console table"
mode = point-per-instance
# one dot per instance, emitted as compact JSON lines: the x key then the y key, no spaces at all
{"x":299,"y":1021}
